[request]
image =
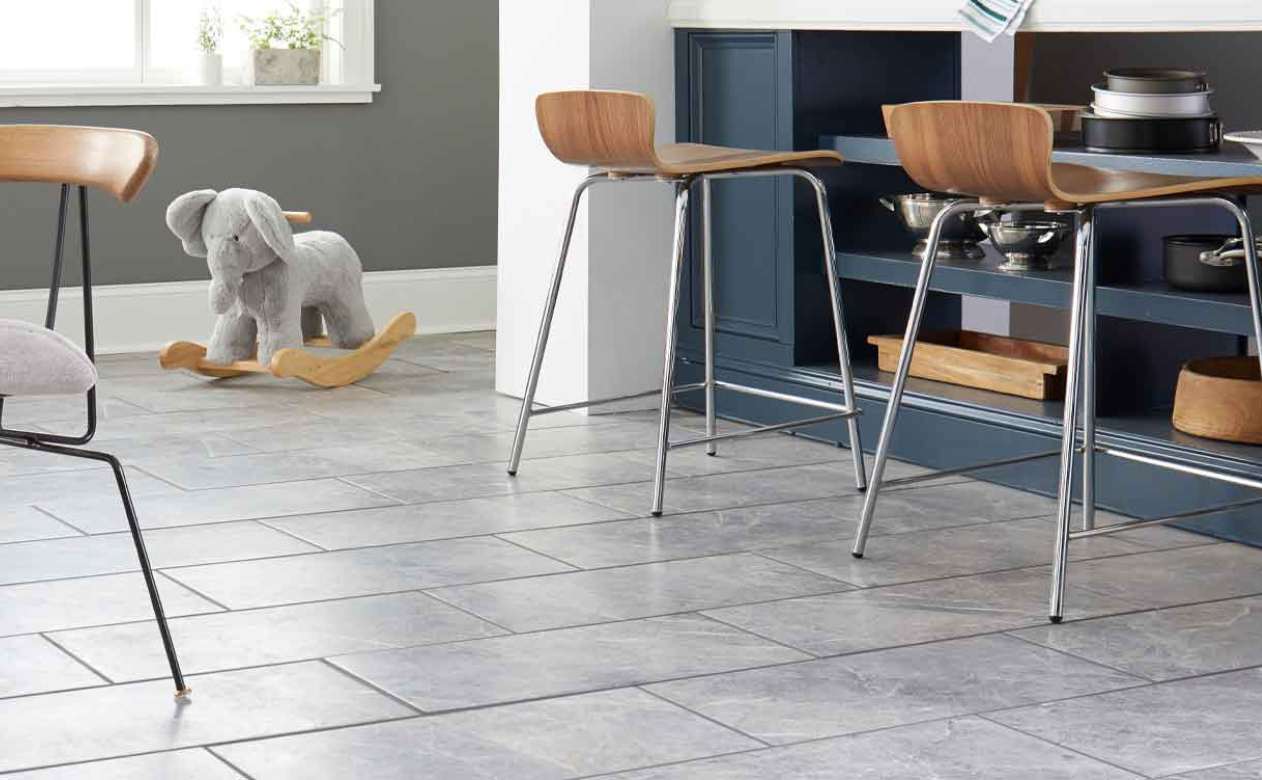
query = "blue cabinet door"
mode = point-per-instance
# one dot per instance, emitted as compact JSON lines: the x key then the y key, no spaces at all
{"x":736,"y":90}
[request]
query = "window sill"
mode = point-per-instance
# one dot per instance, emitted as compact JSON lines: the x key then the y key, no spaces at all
{"x":180,"y":95}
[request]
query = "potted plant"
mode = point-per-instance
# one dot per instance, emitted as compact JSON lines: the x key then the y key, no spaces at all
{"x":285,"y":46}
{"x":209,"y":36}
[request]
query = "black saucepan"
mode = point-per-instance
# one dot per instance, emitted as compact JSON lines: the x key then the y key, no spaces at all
{"x":1205,"y":263}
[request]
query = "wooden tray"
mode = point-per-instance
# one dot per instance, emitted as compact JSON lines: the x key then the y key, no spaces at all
{"x":1030,"y":369}
{"x":1220,"y":398}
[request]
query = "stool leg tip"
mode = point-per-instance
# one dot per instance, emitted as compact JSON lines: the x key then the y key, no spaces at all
{"x":512,"y":472}
{"x":856,"y":555}
{"x":1055,"y":618}
{"x":182,"y":694}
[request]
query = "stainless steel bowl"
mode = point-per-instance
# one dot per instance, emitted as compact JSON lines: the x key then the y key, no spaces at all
{"x":959,"y":235}
{"x":1028,"y":244}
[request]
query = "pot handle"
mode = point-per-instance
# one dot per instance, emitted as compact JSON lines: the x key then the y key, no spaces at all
{"x":1228,"y":255}
{"x":887,"y":203}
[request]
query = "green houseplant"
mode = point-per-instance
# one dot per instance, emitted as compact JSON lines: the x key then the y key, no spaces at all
{"x":209,"y":37}
{"x":285,"y":46}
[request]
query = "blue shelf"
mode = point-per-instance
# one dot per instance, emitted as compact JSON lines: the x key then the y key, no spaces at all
{"x":1232,"y":160}
{"x":1148,"y":302}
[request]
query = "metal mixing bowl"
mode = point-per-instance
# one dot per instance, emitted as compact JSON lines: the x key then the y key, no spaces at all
{"x":1028,"y":244}
{"x":917,"y":212}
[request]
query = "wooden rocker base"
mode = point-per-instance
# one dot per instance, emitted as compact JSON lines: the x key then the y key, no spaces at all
{"x":298,"y":363}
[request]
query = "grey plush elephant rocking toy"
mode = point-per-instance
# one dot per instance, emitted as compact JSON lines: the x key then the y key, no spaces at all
{"x":272,"y":290}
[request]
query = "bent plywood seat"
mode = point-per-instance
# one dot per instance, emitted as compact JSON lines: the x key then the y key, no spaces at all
{"x":614,"y":131}
{"x":1002,"y":152}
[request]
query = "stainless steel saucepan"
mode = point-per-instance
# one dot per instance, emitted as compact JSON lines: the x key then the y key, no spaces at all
{"x":917,"y":211}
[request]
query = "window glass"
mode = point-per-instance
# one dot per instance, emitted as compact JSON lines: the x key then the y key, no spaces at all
{"x":52,"y":40}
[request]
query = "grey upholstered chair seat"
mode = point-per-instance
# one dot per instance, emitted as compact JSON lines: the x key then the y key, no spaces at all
{"x":38,"y":361}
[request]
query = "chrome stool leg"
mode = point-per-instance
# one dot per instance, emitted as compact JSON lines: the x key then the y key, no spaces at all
{"x":668,"y":360}
{"x":1084,"y":279}
{"x":545,"y":326}
{"x":1089,"y":392}
{"x":707,"y":283}
{"x":1252,"y":270}
{"x":900,"y":376}
{"x":839,"y":326}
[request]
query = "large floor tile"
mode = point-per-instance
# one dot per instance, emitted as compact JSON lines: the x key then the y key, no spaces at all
{"x":181,"y":392}
{"x":489,"y":479}
{"x":970,"y":748}
{"x":1245,"y":770}
{"x":230,"y":640}
{"x":32,"y":664}
{"x":1166,"y":644}
{"x":363,"y":572}
{"x":546,"y":442}
{"x":635,"y":591}
{"x":1171,"y":577}
{"x":254,"y":469}
{"x":949,"y":552}
{"x":696,"y":494}
{"x":91,"y":601}
{"x":96,"y":486}
{"x":83,"y":556}
{"x":217,"y":506}
{"x":1159,"y":729}
{"x":26,"y":523}
{"x":759,"y":452}
{"x":119,"y":720}
{"x":908,"y":614}
{"x":739,"y":529}
{"x":189,"y":764}
{"x":554,"y":663}
{"x":443,"y":520}
{"x":556,"y":738}
{"x":870,"y":691}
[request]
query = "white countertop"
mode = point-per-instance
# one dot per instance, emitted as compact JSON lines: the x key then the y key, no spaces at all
{"x":1044,"y":15}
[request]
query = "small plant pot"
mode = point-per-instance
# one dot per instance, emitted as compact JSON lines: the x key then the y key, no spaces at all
{"x":274,"y":67}
{"x":211,"y":70}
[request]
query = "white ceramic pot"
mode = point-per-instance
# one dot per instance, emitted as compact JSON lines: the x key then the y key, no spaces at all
{"x":211,"y":68}
{"x":1140,"y":104}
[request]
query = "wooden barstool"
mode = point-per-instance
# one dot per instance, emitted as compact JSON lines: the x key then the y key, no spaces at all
{"x":999,"y":155}
{"x":612,"y":132}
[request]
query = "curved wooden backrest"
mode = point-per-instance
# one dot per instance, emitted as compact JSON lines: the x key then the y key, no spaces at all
{"x":114,"y":160}
{"x":599,"y":128}
{"x":994,"y":151}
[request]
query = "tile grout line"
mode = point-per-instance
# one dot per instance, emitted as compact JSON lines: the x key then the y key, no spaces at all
{"x":725,"y":726}
{"x":222,"y":759}
{"x":104,"y":677}
{"x":1073,"y":750}
{"x":369,"y":684}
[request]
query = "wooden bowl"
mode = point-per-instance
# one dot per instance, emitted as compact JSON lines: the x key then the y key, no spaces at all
{"x":1220,"y":398}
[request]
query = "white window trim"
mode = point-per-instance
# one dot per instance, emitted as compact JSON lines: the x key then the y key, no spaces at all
{"x":356,"y":61}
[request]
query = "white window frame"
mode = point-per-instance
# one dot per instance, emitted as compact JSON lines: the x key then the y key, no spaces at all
{"x":354,"y":58}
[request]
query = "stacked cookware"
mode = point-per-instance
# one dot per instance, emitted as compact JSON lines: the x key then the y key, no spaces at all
{"x":1165,"y":110}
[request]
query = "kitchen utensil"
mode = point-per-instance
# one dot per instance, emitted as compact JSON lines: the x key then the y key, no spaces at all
{"x":1220,"y":398}
{"x":1205,"y":263}
{"x":1250,"y":139}
{"x":1171,"y":135}
{"x":1153,"y":104}
{"x":1028,"y":245}
{"x":917,"y":212}
{"x":1155,"y":80}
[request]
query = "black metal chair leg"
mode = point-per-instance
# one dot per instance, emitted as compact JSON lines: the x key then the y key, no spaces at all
{"x":181,"y":689}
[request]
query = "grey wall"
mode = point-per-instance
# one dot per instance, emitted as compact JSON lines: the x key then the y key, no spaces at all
{"x":409,"y":179}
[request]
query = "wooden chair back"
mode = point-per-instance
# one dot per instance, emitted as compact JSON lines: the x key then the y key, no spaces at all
{"x":113,"y":160}
{"x":995,"y":151}
{"x":599,"y":128}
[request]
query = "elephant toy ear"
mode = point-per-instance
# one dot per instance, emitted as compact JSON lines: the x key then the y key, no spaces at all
{"x":269,"y":220}
{"x":184,"y":218}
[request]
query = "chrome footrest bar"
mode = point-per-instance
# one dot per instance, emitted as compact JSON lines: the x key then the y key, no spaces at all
{"x":613,"y":399}
{"x":775,"y":396}
{"x":965,"y":469}
{"x":1182,"y":468}
{"x":763,"y":429}
{"x":1129,"y":525}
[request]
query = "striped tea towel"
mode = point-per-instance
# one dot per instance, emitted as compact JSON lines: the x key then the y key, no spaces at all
{"x":991,"y":18}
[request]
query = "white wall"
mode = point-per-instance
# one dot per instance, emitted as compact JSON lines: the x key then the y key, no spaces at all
{"x":607,"y":334}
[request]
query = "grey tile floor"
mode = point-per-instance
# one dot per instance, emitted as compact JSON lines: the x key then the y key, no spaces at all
{"x":358,"y":591}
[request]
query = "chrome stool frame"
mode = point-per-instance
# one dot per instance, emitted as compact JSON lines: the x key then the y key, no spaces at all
{"x":682,"y":185}
{"x":1079,"y":387}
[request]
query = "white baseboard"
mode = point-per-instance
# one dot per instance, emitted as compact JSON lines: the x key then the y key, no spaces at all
{"x":143,"y":317}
